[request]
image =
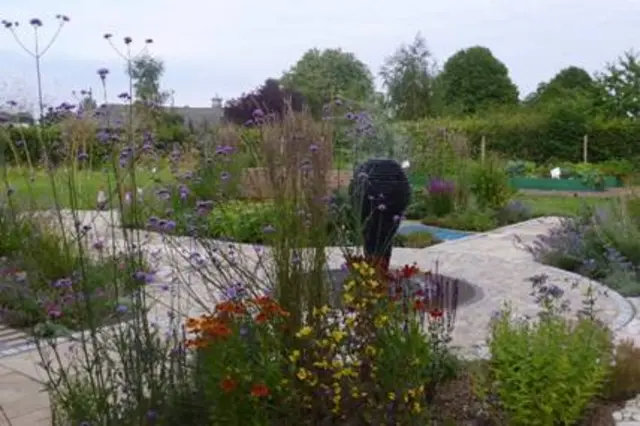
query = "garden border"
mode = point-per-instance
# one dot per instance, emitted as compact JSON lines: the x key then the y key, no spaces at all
{"x":626,"y":311}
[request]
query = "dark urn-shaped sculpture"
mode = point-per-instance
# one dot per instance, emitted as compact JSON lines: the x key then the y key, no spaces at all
{"x":380,"y":193}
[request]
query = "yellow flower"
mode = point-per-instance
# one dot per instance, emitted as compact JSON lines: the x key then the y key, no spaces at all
{"x":336,"y":363}
{"x":338,"y":335}
{"x":392,"y":396}
{"x":321,"y":364}
{"x":295,"y":356}
{"x":374,"y":284}
{"x":347,"y":298}
{"x":349,"y":286}
{"x":370,"y":350}
{"x":406,"y":398}
{"x":324,"y":310}
{"x":350,"y":322}
{"x":417,"y":408}
{"x":303,"y":374}
{"x":381,"y":321}
{"x":304,"y":332}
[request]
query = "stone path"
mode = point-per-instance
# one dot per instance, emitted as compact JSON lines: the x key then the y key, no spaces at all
{"x":494,"y":261}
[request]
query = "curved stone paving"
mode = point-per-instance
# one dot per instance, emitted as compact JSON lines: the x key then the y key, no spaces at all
{"x":493,"y":261}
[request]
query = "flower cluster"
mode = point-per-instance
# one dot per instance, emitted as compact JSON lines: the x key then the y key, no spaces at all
{"x":210,"y":328}
{"x":440,"y":186}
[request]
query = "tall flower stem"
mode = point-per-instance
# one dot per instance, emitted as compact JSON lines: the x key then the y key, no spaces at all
{"x":37,"y":53}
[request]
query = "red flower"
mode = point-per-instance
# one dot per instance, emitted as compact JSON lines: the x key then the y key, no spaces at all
{"x":261,"y":318}
{"x":409,"y":271}
{"x":228,"y":385}
{"x":259,"y":390}
{"x":436,"y":313}
{"x":419,"y":305}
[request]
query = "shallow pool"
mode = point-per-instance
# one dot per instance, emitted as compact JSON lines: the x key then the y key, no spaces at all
{"x":443,"y":234}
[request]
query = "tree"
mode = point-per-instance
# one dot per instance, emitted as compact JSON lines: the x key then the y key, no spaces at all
{"x":473,"y":79}
{"x":619,"y":86}
{"x":409,"y":77}
{"x":270,"y":98}
{"x":568,"y":82}
{"x":146,"y":72}
{"x":322,"y":75}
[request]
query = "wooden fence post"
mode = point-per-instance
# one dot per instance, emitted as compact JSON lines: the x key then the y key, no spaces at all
{"x":483,"y":148}
{"x":585,"y":149}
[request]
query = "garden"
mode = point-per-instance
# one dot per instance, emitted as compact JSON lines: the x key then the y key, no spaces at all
{"x":258,"y":207}
{"x":290,"y":355}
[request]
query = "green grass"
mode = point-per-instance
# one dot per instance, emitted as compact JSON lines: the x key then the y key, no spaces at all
{"x":39,"y":190}
{"x":554,"y":205}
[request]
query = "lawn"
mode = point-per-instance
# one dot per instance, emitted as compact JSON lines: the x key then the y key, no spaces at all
{"x":68,"y":188}
{"x":555,"y":205}
{"x":36,"y":190}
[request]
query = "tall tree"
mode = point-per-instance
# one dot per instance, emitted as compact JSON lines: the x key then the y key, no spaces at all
{"x":321,"y":75}
{"x":409,"y":76}
{"x":568,"y":82}
{"x":619,"y":86}
{"x":146,"y":72}
{"x":473,"y":79}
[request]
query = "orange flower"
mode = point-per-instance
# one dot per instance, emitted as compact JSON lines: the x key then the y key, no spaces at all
{"x":218,"y":330}
{"x":260,"y":390}
{"x":193,"y":324}
{"x":228,"y":385}
{"x":230,"y":307}
{"x":196,"y":343}
{"x":263,"y":300}
{"x":419,"y":305}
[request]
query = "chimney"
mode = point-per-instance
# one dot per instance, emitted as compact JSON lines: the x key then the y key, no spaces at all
{"x":216,"y":102}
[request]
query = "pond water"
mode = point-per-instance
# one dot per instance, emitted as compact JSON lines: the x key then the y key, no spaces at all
{"x":442,"y":234}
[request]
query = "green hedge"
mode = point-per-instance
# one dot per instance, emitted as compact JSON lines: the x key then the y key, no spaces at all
{"x":19,"y":143}
{"x":540,"y":136}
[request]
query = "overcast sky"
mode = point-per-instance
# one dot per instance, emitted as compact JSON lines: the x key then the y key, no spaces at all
{"x":229,"y":47}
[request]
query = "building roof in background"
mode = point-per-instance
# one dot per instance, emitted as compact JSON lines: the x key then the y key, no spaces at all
{"x":116,"y":114}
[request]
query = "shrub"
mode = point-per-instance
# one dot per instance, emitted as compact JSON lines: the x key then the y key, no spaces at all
{"x":624,"y":380}
{"x":600,"y":243}
{"x":415,"y":240}
{"x":472,"y":220}
{"x":47,"y":283}
{"x":441,"y":196}
{"x":267,"y":99}
{"x":490,"y":184}
{"x":244,"y":222}
{"x":419,"y":205}
{"x":513,"y":212}
{"x":546,"y":371}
